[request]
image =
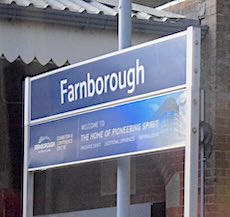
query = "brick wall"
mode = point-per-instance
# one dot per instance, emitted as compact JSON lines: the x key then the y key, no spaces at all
{"x":222,"y":128}
{"x":171,"y":166}
{"x":10,"y":203}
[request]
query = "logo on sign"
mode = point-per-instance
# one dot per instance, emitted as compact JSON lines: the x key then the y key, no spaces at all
{"x":44,"y":142}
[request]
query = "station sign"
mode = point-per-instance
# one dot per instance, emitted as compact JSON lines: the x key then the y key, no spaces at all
{"x":154,"y":66}
{"x":151,"y":124}
{"x":125,"y":103}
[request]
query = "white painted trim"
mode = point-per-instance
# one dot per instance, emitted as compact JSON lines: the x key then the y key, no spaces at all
{"x":192,"y":130}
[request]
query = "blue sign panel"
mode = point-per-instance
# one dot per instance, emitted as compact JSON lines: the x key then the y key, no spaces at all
{"x":145,"y":69}
{"x":146,"y":125}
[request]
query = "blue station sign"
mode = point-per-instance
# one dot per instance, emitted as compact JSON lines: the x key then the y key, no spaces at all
{"x":128,"y":102}
{"x":144,"y":69}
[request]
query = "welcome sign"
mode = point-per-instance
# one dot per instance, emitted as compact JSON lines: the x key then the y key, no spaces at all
{"x":128,"y":102}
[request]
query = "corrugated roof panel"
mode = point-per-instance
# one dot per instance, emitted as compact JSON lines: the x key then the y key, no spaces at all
{"x":18,"y":2}
{"x":148,"y":20}
{"x":161,"y":19}
{"x":72,"y":6}
{"x":142,"y":16}
{"x":105,"y":9}
{"x":6,"y":1}
{"x":154,"y":12}
{"x":109,"y":2}
{"x":56,"y":4}
{"x":39,"y":3}
{"x":144,"y":9}
{"x":88,"y":7}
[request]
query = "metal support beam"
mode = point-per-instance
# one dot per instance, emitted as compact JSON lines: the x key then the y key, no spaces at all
{"x":123,"y":187}
{"x":124,"y":24}
{"x":123,"y":164}
{"x":202,"y":158}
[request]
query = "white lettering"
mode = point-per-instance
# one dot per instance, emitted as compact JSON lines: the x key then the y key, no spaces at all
{"x":131,"y":80}
{"x":91,"y":86}
{"x":113,"y":84}
{"x":99,"y":85}
{"x":71,"y":93}
{"x":127,"y":79}
{"x":140,"y":69}
{"x":63,"y":91}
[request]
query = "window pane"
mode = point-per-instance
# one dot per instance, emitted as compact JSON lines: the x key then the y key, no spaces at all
{"x":156,"y":187}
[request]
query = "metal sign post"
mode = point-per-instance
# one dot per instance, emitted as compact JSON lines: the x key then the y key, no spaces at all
{"x":28,"y":177}
{"x":123,"y":164}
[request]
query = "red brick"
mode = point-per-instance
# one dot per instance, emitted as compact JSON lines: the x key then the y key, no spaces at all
{"x":210,"y":190}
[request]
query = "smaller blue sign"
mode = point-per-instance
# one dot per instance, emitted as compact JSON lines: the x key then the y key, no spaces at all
{"x":145,"y":125}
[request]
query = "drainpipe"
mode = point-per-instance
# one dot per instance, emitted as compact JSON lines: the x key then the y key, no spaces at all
{"x":202,"y":158}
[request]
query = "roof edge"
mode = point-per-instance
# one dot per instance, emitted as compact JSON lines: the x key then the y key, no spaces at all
{"x":99,"y":21}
